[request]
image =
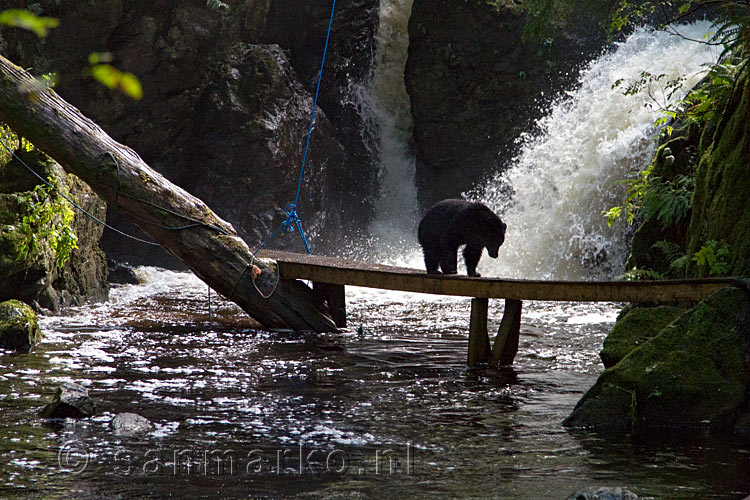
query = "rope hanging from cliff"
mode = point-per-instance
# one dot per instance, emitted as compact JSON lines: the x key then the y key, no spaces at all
{"x":292,"y":219}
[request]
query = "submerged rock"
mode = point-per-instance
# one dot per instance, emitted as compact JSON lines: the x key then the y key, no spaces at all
{"x":633,"y":329}
{"x":130,"y":424}
{"x":19,"y":329}
{"x":603,"y":493}
{"x":121,"y":274}
{"x":70,"y":401}
{"x":693,"y":375}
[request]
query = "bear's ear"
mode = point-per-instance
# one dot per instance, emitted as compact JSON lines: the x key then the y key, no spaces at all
{"x":505,"y":226}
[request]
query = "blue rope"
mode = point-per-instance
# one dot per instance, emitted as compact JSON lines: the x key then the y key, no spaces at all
{"x":292,"y":219}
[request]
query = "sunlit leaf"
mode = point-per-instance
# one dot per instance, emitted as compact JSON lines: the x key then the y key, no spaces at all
{"x":107,"y":75}
{"x":20,"y":18}
{"x":131,"y":86}
{"x":112,"y":78}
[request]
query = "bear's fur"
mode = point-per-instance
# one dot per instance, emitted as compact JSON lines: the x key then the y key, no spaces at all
{"x":452,"y":223}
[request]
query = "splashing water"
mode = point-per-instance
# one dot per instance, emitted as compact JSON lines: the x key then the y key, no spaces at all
{"x":385,"y":105}
{"x":563,"y":177}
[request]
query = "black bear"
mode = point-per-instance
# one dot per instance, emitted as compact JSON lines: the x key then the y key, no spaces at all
{"x":452,"y":223}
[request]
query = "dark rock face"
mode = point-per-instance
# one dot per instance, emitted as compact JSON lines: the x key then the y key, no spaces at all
{"x":693,"y":375}
{"x":70,"y":401}
{"x":227,"y":103}
{"x":19,"y":329}
{"x":37,"y":279}
{"x":475,"y":86}
{"x":254,"y":92}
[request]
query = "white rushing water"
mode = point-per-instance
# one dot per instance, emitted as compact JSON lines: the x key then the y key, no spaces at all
{"x":563,"y":177}
{"x":387,"y":109}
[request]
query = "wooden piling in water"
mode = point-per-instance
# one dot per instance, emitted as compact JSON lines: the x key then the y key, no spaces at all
{"x":335,"y":297}
{"x":479,"y":340}
{"x":505,"y":347}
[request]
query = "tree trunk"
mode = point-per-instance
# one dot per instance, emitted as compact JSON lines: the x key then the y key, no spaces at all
{"x":211,"y":249}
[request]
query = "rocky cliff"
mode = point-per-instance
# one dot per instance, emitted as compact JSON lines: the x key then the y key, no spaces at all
{"x":227,"y":101}
{"x":475,"y":86}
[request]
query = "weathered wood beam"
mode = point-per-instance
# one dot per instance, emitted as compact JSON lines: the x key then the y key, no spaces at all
{"x":347,"y":272}
{"x":212,"y":250}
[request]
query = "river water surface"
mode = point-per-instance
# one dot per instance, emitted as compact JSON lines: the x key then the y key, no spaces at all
{"x":385,"y":409}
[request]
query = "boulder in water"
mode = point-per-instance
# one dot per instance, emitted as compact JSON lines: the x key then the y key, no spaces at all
{"x":71,"y":401}
{"x":634,"y":328}
{"x":19,"y":330}
{"x":121,"y":274}
{"x":693,"y":375}
{"x":130,"y":424}
{"x":603,"y":493}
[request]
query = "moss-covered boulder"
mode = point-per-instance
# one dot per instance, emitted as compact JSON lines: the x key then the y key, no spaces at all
{"x":693,"y":375}
{"x":19,"y":329}
{"x":633,"y":329}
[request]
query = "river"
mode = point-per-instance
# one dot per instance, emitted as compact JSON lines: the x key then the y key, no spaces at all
{"x":386,"y":408}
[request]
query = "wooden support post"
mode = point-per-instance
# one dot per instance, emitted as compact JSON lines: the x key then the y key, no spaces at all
{"x":335,"y":297}
{"x":506,"y":343}
{"x":479,"y":341}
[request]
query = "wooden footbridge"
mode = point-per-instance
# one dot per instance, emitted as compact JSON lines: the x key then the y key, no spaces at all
{"x":331,"y":275}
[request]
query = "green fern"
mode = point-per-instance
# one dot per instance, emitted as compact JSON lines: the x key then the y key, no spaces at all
{"x":637,"y":274}
{"x":677,"y":258}
{"x":714,"y":255}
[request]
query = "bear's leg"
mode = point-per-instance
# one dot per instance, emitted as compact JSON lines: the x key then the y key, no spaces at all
{"x":471,"y":257}
{"x":431,"y":260}
{"x":449,"y":261}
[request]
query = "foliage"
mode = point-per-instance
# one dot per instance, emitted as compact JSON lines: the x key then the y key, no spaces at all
{"x":100,"y":69}
{"x":113,"y":78}
{"x":678,"y":259}
{"x":20,"y":18}
{"x":47,"y":217}
{"x":714,"y":255}
{"x":638,"y":274}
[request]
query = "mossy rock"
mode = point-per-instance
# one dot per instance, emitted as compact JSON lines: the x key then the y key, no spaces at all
{"x":693,"y":375}
{"x":637,"y":326}
{"x":19,"y":329}
{"x":720,"y":204}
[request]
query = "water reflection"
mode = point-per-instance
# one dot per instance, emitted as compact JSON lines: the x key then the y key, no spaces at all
{"x":385,"y":409}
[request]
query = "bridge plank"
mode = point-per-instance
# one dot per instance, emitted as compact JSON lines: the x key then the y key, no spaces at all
{"x":349,"y":272}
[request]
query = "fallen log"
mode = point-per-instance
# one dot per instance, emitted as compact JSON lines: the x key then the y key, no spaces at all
{"x":181,"y":223}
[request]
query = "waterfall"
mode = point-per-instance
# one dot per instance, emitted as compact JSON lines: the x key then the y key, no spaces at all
{"x":563,"y":177}
{"x":385,"y":105}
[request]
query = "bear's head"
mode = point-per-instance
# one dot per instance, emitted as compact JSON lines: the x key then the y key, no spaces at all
{"x":494,"y":236}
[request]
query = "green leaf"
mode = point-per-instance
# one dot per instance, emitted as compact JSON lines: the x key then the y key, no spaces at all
{"x":106,"y":74}
{"x":112,"y":78}
{"x":131,"y":86}
{"x":21,"y":18}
